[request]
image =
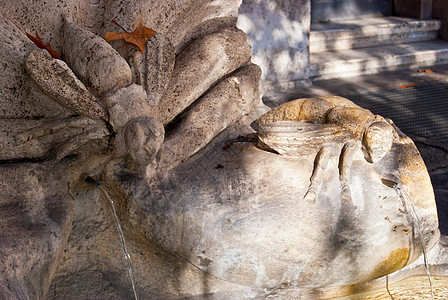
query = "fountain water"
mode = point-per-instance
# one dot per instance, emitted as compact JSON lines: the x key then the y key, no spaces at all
{"x":387,"y":288}
{"x":409,"y":205}
{"x":120,"y":232}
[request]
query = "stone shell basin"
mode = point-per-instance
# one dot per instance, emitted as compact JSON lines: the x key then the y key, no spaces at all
{"x":239,"y":214}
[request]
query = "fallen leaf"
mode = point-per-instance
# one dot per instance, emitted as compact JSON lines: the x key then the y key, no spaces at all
{"x":138,"y":37}
{"x":425,"y":71}
{"x":407,"y":86}
{"x":39,"y":43}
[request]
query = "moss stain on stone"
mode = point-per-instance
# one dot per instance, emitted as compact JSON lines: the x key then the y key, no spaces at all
{"x":394,"y":262}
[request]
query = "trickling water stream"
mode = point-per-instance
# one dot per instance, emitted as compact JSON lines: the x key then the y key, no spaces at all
{"x":409,"y":205}
{"x":120,"y":233}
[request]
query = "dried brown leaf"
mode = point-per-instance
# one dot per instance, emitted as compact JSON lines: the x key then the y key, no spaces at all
{"x":40,"y":44}
{"x":138,"y":37}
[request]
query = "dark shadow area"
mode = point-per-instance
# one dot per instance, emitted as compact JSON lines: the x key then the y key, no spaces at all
{"x":440,"y":184}
{"x":323,"y":10}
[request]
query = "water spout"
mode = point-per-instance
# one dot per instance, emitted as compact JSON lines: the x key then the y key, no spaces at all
{"x":120,"y":231}
{"x":409,"y":205}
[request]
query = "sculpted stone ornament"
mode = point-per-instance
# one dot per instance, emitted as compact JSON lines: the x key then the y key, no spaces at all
{"x":314,"y":198}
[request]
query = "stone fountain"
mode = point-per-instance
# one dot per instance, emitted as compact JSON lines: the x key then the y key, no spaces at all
{"x":218,"y":195}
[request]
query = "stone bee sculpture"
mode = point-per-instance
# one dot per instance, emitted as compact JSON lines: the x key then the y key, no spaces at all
{"x":300,"y":127}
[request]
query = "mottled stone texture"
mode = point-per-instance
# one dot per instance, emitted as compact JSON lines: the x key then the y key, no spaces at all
{"x":35,"y":218}
{"x":216,"y":55}
{"x":60,"y":82}
{"x":214,"y":200}
{"x":234,"y":96}
{"x":101,"y":73}
{"x":278,"y":31}
{"x":250,"y":216}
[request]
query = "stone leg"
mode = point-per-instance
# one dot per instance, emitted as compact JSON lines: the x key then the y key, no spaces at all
{"x":345,"y":163}
{"x":320,"y":164}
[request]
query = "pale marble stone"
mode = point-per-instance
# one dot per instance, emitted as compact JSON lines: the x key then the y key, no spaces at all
{"x":278,"y":32}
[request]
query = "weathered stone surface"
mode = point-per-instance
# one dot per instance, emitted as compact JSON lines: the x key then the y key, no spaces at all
{"x":153,"y":68}
{"x":278,"y":32}
{"x":377,"y":141}
{"x":200,"y":66}
{"x":180,"y":20}
{"x":47,"y":17}
{"x":93,"y":266}
{"x":159,"y":65}
{"x":143,"y":137}
{"x":55,"y":78}
{"x":35,"y":220}
{"x":224,"y":104}
{"x":304,"y":125}
{"x":209,"y":211}
{"x":137,"y":133}
{"x":38,"y":139}
{"x":125,"y":104}
{"x":299,"y":138}
{"x":93,"y":60}
{"x":16,"y":87}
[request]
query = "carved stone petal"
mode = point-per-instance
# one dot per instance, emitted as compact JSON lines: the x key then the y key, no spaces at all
{"x":223,"y":105}
{"x":56,"y":79}
{"x":159,"y":64}
{"x":201,"y":65}
{"x":16,"y":88}
{"x":35,"y":218}
{"x":94,"y":61}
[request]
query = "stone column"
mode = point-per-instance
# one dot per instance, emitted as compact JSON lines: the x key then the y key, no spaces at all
{"x":279,"y":34}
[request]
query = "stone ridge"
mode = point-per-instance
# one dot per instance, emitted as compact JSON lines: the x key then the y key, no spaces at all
{"x":373,"y":59}
{"x":370,"y":32}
